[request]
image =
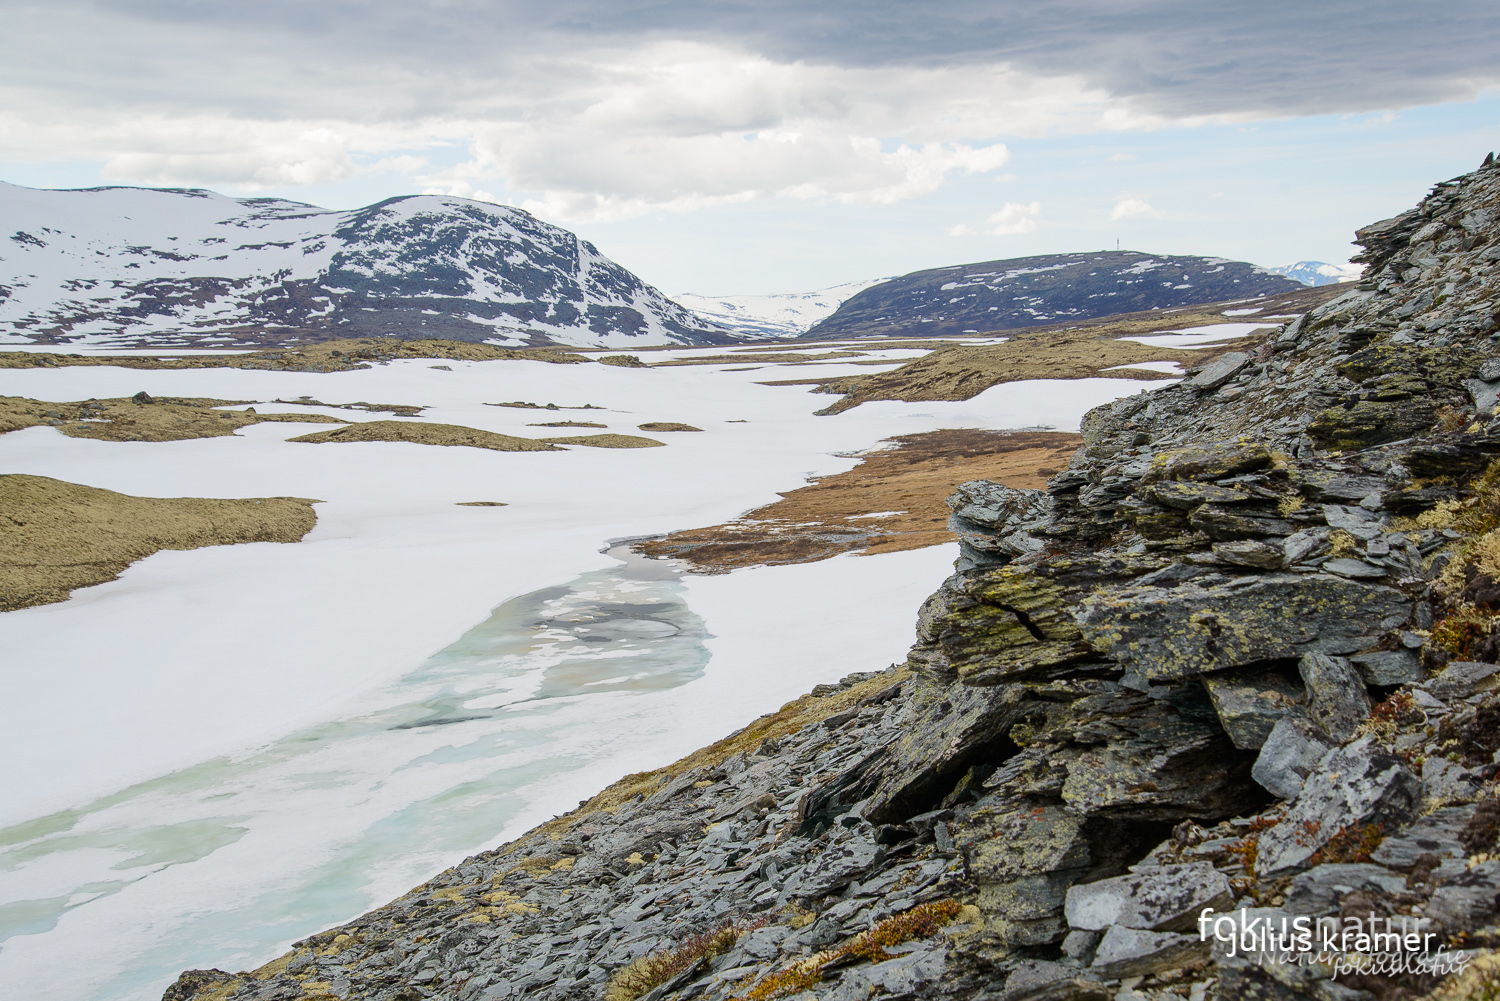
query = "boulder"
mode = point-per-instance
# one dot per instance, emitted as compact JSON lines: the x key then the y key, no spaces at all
{"x":1220,"y":371}
{"x":1353,"y":786}
{"x":1227,"y":523}
{"x":1136,"y":952}
{"x":1336,"y":696}
{"x":1292,"y":750}
{"x":1320,"y":891}
{"x":1438,"y":834}
{"x":1250,"y":700}
{"x":1387,"y":668}
{"x":1164,"y":634}
{"x":1462,"y":678}
{"x":1157,"y":898}
{"x":1250,"y":553}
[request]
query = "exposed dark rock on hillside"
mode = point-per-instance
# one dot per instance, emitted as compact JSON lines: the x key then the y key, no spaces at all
{"x":1036,"y":291}
{"x":1240,"y":655}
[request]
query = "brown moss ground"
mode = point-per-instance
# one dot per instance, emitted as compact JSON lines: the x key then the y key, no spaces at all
{"x":427,"y":434}
{"x":567,"y":424}
{"x":962,"y":373}
{"x":607,"y":441}
{"x":399,"y":409}
{"x":1085,"y":350}
{"x":829,"y":516}
{"x":666,"y":426}
{"x":326,"y":356}
{"x":175,"y":419}
{"x":57,"y":536}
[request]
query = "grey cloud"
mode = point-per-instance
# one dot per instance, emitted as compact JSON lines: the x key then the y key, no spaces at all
{"x":384,"y":59}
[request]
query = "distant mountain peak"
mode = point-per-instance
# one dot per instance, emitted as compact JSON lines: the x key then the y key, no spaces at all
{"x":1319,"y":272}
{"x":1037,"y":291}
{"x":184,"y":267}
{"x":775,"y":314}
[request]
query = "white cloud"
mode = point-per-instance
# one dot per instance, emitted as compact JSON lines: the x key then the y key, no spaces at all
{"x":962,"y":229}
{"x":603,"y":134}
{"x":1131,"y":207}
{"x":1014,"y":218}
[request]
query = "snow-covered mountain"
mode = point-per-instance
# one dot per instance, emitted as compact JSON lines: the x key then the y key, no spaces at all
{"x":1033,"y":291}
{"x":1318,"y":272}
{"x":778,"y":314}
{"x":180,"y":267}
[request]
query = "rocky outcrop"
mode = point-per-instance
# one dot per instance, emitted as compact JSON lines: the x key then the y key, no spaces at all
{"x":1237,"y":663}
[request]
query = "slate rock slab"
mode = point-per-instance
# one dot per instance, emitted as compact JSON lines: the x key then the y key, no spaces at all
{"x":1353,"y":786}
{"x":1168,"y":634}
{"x":1336,"y":696}
{"x":1156,"y":898}
{"x":1249,"y":702}
{"x":1292,"y":750}
{"x":1136,"y":952}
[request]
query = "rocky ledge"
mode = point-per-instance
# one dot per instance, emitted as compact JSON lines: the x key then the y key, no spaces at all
{"x":1237,"y":663}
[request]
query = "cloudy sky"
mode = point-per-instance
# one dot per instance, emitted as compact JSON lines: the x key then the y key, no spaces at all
{"x":732,"y":146}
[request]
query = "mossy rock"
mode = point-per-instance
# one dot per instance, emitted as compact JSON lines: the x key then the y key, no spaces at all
{"x":1371,"y":422}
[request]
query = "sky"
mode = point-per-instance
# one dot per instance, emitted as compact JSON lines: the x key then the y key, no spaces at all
{"x":731,"y":147}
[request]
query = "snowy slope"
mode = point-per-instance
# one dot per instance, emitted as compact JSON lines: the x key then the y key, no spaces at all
{"x":779,"y":314}
{"x":177,"y":267}
{"x":1033,"y":291}
{"x":1319,"y":273}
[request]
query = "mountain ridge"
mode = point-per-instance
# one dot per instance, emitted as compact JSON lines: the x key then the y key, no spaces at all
{"x":211,"y":270}
{"x":1038,"y":291}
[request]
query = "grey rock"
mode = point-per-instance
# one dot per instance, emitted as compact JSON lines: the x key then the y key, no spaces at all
{"x":1336,"y":696}
{"x":1250,"y":553}
{"x":1158,"y":898}
{"x":1356,"y":521}
{"x":906,"y":976}
{"x":1353,"y":786}
{"x":1249,"y":701}
{"x":1166,"y":634}
{"x":1462,"y":678}
{"x":1187,"y":494}
{"x":823,"y":932}
{"x":1443,"y":779}
{"x":765,"y":943}
{"x":1359,"y":569}
{"x":1435,"y":834}
{"x":1304,"y":545}
{"x":838,"y":865}
{"x":1321,"y":890}
{"x":1040,"y":980}
{"x":1080,"y":944}
{"x":1227,"y":523}
{"x":1484,"y":394}
{"x":1218,"y":372}
{"x":1388,"y":667}
{"x":1135,"y":952}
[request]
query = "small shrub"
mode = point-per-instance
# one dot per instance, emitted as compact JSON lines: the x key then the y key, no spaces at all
{"x":922,"y":921}
{"x":1350,"y":844}
{"x":652,"y":970}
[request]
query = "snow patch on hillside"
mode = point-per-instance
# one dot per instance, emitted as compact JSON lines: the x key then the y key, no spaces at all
{"x":1319,"y":272}
{"x":778,"y":314}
